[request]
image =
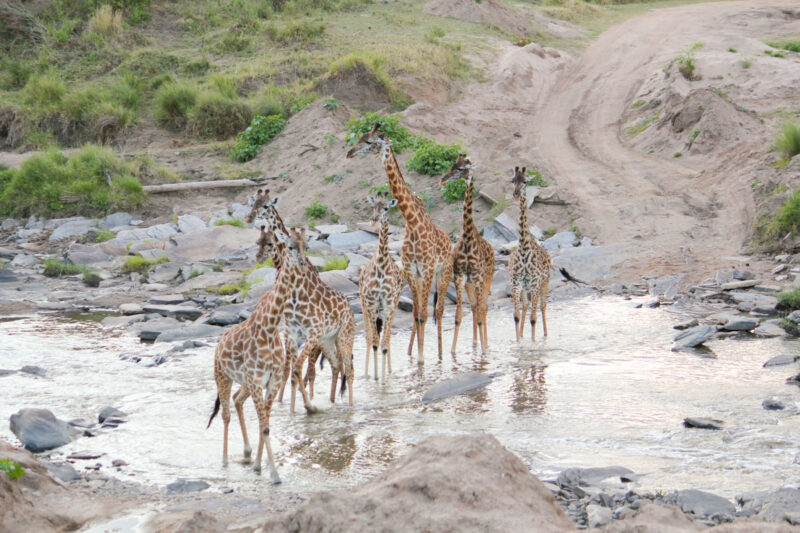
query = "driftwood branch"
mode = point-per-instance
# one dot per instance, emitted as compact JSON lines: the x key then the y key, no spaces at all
{"x":195,"y":185}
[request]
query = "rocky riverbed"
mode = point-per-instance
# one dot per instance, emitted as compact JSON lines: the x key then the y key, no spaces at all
{"x":176,"y":306}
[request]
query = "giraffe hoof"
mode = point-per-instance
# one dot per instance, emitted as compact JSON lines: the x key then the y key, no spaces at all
{"x":310,"y":409}
{"x":274,"y":477}
{"x":248,"y":452}
{"x":257,"y":469}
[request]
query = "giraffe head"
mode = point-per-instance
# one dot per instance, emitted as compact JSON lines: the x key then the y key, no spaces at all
{"x":372,"y":142}
{"x":460,"y":169}
{"x":262,"y":206}
{"x":518,"y":181}
{"x":266,"y":246}
{"x":295,"y":246}
{"x":381,"y":205}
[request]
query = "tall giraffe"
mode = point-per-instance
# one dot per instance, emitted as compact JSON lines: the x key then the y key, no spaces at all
{"x":379,"y":285}
{"x":318,"y":317}
{"x":427,"y":251}
{"x":251,"y":354}
{"x":529,"y":266}
{"x":473,"y":260}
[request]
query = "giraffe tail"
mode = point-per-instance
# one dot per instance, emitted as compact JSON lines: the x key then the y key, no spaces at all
{"x":343,"y":386}
{"x":379,"y":324}
{"x":435,"y":297}
{"x":214,"y":413}
{"x":570,"y":277}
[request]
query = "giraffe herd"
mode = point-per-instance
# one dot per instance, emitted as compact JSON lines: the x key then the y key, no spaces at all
{"x":317,"y":320}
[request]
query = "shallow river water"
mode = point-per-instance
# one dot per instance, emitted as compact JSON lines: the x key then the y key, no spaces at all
{"x":603,"y":389}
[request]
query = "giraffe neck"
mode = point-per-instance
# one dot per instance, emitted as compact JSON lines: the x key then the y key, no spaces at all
{"x":525,"y":237}
{"x":278,"y":254}
{"x":383,"y":246}
{"x":406,"y":201}
{"x":275,"y":300}
{"x":469,"y":231}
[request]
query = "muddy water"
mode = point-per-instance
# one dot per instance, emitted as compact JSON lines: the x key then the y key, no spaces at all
{"x":603,"y":389}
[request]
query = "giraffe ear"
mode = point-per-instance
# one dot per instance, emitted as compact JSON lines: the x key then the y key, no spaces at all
{"x":392,"y":203}
{"x":523,"y":171}
{"x":263,"y":227}
{"x":273,"y":202}
{"x":375,"y":128}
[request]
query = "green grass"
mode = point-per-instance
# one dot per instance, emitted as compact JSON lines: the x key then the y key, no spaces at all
{"x":677,"y":154}
{"x":215,"y":116}
{"x":401,"y":138}
{"x":792,"y":45}
{"x":141,"y":265}
{"x":638,"y":103}
{"x":104,"y":235}
{"x":693,"y":136}
{"x":772,"y":53}
{"x":174,"y":102}
{"x":789,"y":300}
{"x":746,"y":63}
{"x":731,"y":49}
{"x":433,"y":159}
{"x":230,"y":222}
{"x":54,"y":268}
{"x":453,"y":191}
{"x":11,"y":468}
{"x":787,"y":141}
{"x":549,"y":232}
{"x":225,"y":290}
{"x":635,"y":130}
{"x":51,"y":183}
{"x":261,"y":131}
{"x":316,"y":210}
{"x":535,"y":178}
{"x":335,"y":263}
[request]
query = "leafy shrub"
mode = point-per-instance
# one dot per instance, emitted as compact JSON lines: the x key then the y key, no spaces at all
{"x":11,"y":468}
{"x":788,"y":141}
{"x":261,"y":131}
{"x":51,"y":183}
{"x":216,"y":116}
{"x":789,"y":300}
{"x":54,"y":268}
{"x":434,"y":158}
{"x":229,"y":222}
{"x":174,"y":101}
{"x":316,"y":210}
{"x":91,"y":279}
{"x":141,"y":265}
{"x":453,"y":191}
{"x":331,"y":104}
{"x":535,"y":178}
{"x":791,"y":45}
{"x":390,"y":126}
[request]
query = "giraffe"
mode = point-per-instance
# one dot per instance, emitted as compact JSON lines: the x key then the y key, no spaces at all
{"x":379,"y":285}
{"x":318,"y":318}
{"x":427,"y":251}
{"x":529,"y":266}
{"x":251,"y":354}
{"x":473,"y":260}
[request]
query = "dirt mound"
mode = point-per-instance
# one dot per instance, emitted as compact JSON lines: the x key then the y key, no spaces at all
{"x":458,"y":483}
{"x":357,"y":85}
{"x":34,"y":502}
{"x":487,"y":11}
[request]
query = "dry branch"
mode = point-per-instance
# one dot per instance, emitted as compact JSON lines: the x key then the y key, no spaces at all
{"x":195,"y":185}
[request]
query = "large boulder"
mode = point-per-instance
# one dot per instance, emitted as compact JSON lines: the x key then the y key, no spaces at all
{"x":189,"y":332}
{"x":446,"y":483}
{"x":72,"y":229}
{"x":211,"y":244}
{"x":116,"y":220}
{"x":82,"y":254}
{"x":693,"y":337}
{"x":348,"y":242}
{"x":189,"y":223}
{"x":39,"y":430}
{"x":336,"y":280}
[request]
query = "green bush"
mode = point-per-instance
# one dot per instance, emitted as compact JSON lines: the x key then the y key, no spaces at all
{"x":141,"y":265}
{"x":234,"y":42}
{"x":11,"y":468}
{"x":53,"y":268}
{"x":44,"y":91}
{"x":104,"y":235}
{"x":788,"y":141}
{"x":216,"y":116}
{"x":788,"y":218}
{"x":197,"y":67}
{"x":789,"y":300}
{"x":261,"y":131}
{"x":535,"y":178}
{"x":316,"y":210}
{"x":14,"y":73}
{"x":453,"y":191}
{"x":434,"y":158}
{"x":224,"y":85}
{"x":52,"y":183}
{"x":230,"y":222}
{"x":174,"y":101}
{"x":91,"y":279}
{"x":390,"y":126}
{"x":268,"y":102}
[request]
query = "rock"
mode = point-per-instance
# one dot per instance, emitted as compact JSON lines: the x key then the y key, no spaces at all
{"x":336,"y":280}
{"x":780,"y":360}
{"x":9,"y":224}
{"x":39,"y":430}
{"x":257,"y":292}
{"x":460,"y":384}
{"x":769,"y":329}
{"x":181,"y":312}
{"x":773,"y":506}
{"x":209,"y":279}
{"x":348,"y":242}
{"x":186,"y":485}
{"x":509,"y":225}
{"x":72,"y":229}
{"x":445,"y":483}
{"x":753,"y":298}
{"x":84,"y":456}
{"x":33,"y":370}
{"x":131,"y":309}
{"x":703,"y":505}
{"x":574,"y":477}
{"x":189,"y":223}
{"x":117,"y":463}
{"x":213,"y":244}
{"x":498,"y":234}
{"x":82,"y":254}
{"x":116,"y":220}
{"x":597,"y":515}
{"x":405,"y":304}
{"x":164,"y":272}
{"x":590,"y":263}
{"x":693,"y":337}
{"x":153,"y":328}
{"x":331,"y":229}
{"x":763,"y":310}
{"x":110,"y":412}
{"x":24,"y":260}
{"x":740,"y":324}
{"x":733,"y":285}
{"x":62,"y":471}
{"x":7,"y":253}
{"x":6,"y":372}
{"x":227,"y":315}
{"x":563,"y":239}
{"x":742,"y":275}
{"x":772,"y":405}
{"x":269,"y":274}
{"x":193,"y":331}
{"x":664,"y":285}
{"x":687,"y":324}
{"x":356,"y":260}
{"x":702,"y":423}
{"x":794,"y":380}
{"x":768,"y":287}
{"x":167,"y":299}
{"x":6,"y":276}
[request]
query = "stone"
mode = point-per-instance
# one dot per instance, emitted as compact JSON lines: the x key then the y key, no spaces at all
{"x":192,"y":270}
{"x":6,"y":372}
{"x":597,"y":515}
{"x":686,"y":325}
{"x":742,"y":275}
{"x":62,"y":471}
{"x":562,"y":239}
{"x":39,"y":430}
{"x":84,"y":455}
{"x":109,"y":412}
{"x":767,"y":287}
{"x":348,"y":242}
{"x":405,"y":304}
{"x":590,"y":263}
{"x":753,"y":298}
{"x":167,"y":299}
{"x":227,"y":315}
{"x":9,"y":224}
{"x":189,"y":223}
{"x":734,"y":285}
{"x":781,"y":360}
{"x":702,"y":423}
{"x":763,"y":310}
{"x":181,"y":312}
{"x":740,"y":324}
{"x":24,"y":260}
{"x":82,"y":254}
{"x":189,"y":332}
{"x":33,"y":370}
{"x":703,"y":505}
{"x":6,"y":276}
{"x":336,"y":280}
{"x":7,"y":253}
{"x":257,"y":292}
{"x":184,"y":485}
{"x":268,"y":273}
{"x":209,"y":279}
{"x":131,"y":309}
{"x":460,"y":384}
{"x":498,"y":235}
{"x":769,"y":329}
{"x":213,"y":244}
{"x":574,"y":477}
{"x":693,"y":337}
{"x":72,"y":229}
{"x":121,"y":321}
{"x":116,"y":220}
{"x":24,"y":234}
{"x":508,"y":224}
{"x":331,"y":229}
{"x":164,"y":272}
{"x":153,"y":328}
{"x":663,"y":285}
{"x":356,"y":260}
{"x":772,"y":405}
{"x":772,"y":506}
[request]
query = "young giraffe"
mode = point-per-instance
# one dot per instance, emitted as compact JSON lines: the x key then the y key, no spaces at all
{"x":427,"y":251}
{"x":251,"y":354}
{"x":529,"y":266}
{"x":379,"y":285}
{"x":318,"y":318}
{"x":473,"y":260}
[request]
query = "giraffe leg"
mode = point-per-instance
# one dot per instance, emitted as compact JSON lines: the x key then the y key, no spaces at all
{"x":311,"y":372}
{"x":543,"y":303}
{"x":238,"y":401}
{"x":442,"y":281}
{"x":523,"y":315}
{"x":369,"y":324}
{"x":224,"y":394}
{"x":291,"y":352}
{"x":458,"y":281}
{"x":534,"y":305}
{"x":386,"y":339}
{"x":412,"y":286}
{"x":263,"y":410}
{"x":423,"y":291}
{"x":487,"y":292}
{"x":309,"y":346}
{"x":473,"y":306}
{"x":335,"y":371}
{"x":515,"y":297}
{"x":269,"y":399}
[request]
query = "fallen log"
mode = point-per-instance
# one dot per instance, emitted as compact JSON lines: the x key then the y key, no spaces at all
{"x":194,"y":185}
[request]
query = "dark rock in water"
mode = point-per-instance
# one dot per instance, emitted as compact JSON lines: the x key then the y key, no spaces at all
{"x":702,"y":423}
{"x":686,"y":325}
{"x":772,"y":405}
{"x":778,"y":360}
{"x":62,"y":471}
{"x":227,"y":315}
{"x":84,"y":456}
{"x":6,"y":276}
{"x":81,"y":423}
{"x":33,"y":370}
{"x":39,"y":430}
{"x":574,"y":477}
{"x":185,"y":485}
{"x":186,"y":345}
{"x":794,"y":380}
{"x":6,"y":372}
{"x":458,"y":385}
{"x":156,"y":360}
{"x":186,"y":312}
{"x":189,"y":332}
{"x":118,"y":463}
{"x":405,"y":304}
{"x":741,"y":324}
{"x":153,"y":328}
{"x":693,"y":337}
{"x":703,"y":505}
{"x":109,"y":412}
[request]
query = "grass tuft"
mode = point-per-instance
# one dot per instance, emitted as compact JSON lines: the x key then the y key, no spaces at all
{"x":316,"y":210}
{"x":789,"y":300}
{"x":53,"y":268}
{"x":216,"y":116}
{"x":174,"y":101}
{"x":788,"y":140}
{"x":230,"y":222}
{"x":141,"y":265}
{"x":11,"y":468}
{"x":335,"y":263}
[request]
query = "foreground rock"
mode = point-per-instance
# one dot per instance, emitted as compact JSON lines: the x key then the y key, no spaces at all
{"x":39,"y":430}
{"x":693,"y":337}
{"x":458,"y":385}
{"x":454,"y":483}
